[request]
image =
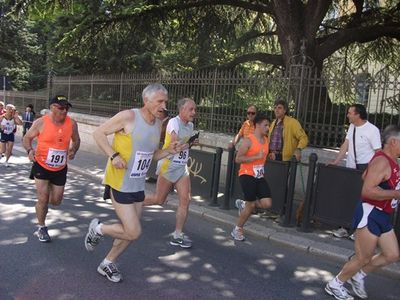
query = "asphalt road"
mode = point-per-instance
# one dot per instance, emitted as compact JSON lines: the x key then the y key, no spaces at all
{"x":215,"y":268}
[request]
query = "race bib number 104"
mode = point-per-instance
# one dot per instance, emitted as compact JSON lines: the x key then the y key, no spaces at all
{"x":141,"y":164}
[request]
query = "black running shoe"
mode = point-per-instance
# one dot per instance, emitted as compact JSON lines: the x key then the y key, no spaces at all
{"x":182,"y":241}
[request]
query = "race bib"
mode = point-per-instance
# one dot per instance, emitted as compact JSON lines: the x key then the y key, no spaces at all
{"x":258,"y":171}
{"x":8,"y":128}
{"x":394,"y":203}
{"x":56,"y":158}
{"x":141,"y":164}
{"x":181,"y":158}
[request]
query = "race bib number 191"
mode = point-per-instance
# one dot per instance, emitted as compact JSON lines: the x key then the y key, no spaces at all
{"x":56,"y":158}
{"x":141,"y":164}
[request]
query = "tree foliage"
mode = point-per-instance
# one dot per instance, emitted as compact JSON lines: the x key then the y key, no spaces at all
{"x":148,"y":35}
{"x":22,"y":55}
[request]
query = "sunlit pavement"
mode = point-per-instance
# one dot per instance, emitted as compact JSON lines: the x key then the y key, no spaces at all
{"x":216,"y":267}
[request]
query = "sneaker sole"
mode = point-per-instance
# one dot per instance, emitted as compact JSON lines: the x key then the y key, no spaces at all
{"x":87,"y":246}
{"x":101,"y":272}
{"x":44,"y":241}
{"x":180,"y":245}
{"x":328,"y":290}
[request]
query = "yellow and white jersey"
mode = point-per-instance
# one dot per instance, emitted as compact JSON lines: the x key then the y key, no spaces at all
{"x":137,"y":149}
{"x":175,"y":166}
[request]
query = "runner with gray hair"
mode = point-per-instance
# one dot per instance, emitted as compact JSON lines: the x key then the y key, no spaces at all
{"x":136,"y":143}
{"x":371,"y":220}
{"x":173,"y":170}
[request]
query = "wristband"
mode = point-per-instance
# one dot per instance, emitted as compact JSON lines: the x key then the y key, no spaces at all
{"x":114,"y":155}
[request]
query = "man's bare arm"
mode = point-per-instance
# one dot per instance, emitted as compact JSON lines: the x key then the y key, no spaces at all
{"x":76,"y":141}
{"x":378,"y":171}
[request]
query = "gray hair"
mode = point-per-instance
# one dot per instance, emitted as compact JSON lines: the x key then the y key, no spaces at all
{"x":153,"y":88}
{"x":182,"y":102}
{"x":10,"y":106}
{"x":391,"y":131}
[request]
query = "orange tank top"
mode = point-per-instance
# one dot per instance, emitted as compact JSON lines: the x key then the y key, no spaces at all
{"x":255,"y":168}
{"x":53,"y":143}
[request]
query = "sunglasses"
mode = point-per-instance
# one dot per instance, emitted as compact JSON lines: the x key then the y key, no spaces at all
{"x":251,"y":113}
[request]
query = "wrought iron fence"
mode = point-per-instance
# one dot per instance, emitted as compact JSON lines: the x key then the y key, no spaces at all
{"x":319,"y":102}
{"x":39,"y":99}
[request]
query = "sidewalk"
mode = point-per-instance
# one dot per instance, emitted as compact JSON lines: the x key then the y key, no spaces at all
{"x":319,"y":242}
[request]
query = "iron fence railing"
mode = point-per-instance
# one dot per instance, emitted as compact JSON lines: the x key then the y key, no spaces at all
{"x":319,"y":102}
{"x":39,"y":99}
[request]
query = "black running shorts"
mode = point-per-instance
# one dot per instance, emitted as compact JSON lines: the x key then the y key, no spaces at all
{"x":121,"y":197}
{"x":55,"y":177}
{"x":254,"y":188}
{"x":4,"y":138}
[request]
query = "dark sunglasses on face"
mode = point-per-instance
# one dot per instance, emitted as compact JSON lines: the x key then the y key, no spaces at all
{"x":251,"y":113}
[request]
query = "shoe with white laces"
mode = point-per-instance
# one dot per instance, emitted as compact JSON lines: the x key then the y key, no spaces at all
{"x":110,"y":271}
{"x":240,"y":204}
{"x":338,"y":291}
{"x":92,"y":238}
{"x":237,"y":234}
{"x":181,"y":240}
{"x":43,"y":235}
{"x":340,"y":233}
{"x":358,"y":286}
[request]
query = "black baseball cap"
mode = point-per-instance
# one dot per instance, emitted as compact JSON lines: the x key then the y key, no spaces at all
{"x":61,"y":100}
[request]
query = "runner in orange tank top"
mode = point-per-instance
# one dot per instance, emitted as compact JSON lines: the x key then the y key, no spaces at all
{"x":53,"y":143}
{"x":54,"y":133}
{"x":252,"y":155}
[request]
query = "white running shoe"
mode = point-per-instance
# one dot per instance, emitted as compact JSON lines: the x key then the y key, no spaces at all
{"x":92,"y":238}
{"x":237,"y":234}
{"x":338,"y":291}
{"x":340,"y":233}
{"x":358,"y":286}
{"x":110,"y":271}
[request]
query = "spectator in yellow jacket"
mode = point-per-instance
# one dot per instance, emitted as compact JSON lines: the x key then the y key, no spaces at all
{"x":286,"y":136}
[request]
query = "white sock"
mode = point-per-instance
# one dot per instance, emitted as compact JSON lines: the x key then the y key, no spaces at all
{"x":177,"y":234}
{"x":237,"y":228}
{"x":360,"y":275}
{"x":337,"y":281}
{"x":106,"y":261}
{"x":98,"y":228}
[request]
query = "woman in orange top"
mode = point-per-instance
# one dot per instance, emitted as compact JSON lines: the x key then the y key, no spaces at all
{"x":252,"y":155}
